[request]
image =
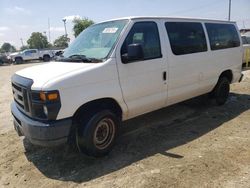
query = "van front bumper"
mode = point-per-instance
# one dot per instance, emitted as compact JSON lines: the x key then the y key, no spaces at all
{"x":49,"y":133}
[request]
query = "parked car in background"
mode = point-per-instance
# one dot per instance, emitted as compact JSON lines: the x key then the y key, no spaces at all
{"x":32,"y":54}
{"x":246,"y":47}
{"x":58,"y":53}
{"x":245,"y":39}
{"x":4,"y":59}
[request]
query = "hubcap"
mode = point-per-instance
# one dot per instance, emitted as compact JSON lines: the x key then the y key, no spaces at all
{"x":104,"y":133}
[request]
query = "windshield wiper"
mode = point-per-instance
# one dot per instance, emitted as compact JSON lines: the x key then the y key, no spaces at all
{"x":79,"y":58}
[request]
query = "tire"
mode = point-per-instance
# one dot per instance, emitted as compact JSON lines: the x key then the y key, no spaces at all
{"x":221,"y":91}
{"x":96,"y":133}
{"x":46,"y":58}
{"x":18,"y":60}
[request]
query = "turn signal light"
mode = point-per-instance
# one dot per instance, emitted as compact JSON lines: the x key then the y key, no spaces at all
{"x":44,"y":96}
{"x":52,"y":96}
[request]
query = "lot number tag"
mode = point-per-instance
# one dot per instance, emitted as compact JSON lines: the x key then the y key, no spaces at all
{"x":110,"y":30}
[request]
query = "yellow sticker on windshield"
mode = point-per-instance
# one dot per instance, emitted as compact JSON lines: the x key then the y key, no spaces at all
{"x":110,"y":30}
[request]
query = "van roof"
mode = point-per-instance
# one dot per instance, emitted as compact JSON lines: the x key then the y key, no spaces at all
{"x":169,"y":18}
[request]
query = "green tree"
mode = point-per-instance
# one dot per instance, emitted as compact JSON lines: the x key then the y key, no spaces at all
{"x":24,"y":48}
{"x":80,"y":25}
{"x":38,"y":40}
{"x":7,"y":47}
{"x":62,"y":42}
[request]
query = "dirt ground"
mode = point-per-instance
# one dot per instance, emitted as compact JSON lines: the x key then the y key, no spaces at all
{"x":192,"y":144}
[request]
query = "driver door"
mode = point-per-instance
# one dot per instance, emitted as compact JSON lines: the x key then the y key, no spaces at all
{"x":143,"y":82}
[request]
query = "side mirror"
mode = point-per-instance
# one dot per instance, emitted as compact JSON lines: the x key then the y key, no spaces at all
{"x":135,"y":53}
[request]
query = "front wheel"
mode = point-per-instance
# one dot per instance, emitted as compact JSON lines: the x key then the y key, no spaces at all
{"x":95,"y":135}
{"x":221,"y":91}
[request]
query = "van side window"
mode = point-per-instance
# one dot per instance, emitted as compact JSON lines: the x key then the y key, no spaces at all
{"x":222,"y":36}
{"x":146,"y":34}
{"x":186,"y":37}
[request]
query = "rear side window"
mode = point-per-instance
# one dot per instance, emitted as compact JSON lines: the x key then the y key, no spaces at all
{"x":222,"y":36}
{"x":146,"y":34}
{"x":33,"y":51}
{"x":186,"y":37}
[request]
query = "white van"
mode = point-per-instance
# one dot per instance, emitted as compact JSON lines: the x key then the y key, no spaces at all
{"x":120,"y":69}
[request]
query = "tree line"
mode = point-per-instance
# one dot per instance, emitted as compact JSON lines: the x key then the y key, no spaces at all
{"x":39,"y":41}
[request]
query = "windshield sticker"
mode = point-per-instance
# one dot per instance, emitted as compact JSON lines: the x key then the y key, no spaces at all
{"x":110,"y":30}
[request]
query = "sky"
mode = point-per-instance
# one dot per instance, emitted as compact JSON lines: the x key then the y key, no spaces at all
{"x":19,"y":18}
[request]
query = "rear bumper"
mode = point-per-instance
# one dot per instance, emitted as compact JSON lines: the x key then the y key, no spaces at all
{"x":50,"y":133}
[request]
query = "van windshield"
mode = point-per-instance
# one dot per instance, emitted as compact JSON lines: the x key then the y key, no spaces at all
{"x":95,"y":43}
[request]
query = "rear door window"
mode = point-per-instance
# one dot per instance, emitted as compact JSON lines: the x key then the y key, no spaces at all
{"x":186,"y":37}
{"x":222,"y":36}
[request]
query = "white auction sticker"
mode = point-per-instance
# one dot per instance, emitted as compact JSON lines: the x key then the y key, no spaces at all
{"x":110,"y":30}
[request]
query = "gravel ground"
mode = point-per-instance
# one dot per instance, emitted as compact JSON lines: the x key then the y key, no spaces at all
{"x":191,"y":144}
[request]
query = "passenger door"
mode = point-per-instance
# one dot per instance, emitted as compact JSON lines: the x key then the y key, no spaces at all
{"x":186,"y":54}
{"x":143,"y":82}
{"x":35,"y":54}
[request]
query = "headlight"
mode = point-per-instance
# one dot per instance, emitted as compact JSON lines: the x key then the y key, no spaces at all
{"x":45,"y":104}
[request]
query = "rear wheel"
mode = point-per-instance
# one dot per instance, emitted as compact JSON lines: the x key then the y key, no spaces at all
{"x":95,"y":135}
{"x":46,"y":58}
{"x":221,"y":91}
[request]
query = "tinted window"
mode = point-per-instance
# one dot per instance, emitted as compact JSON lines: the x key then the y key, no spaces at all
{"x":222,"y":36}
{"x":186,"y":37}
{"x":27,"y":53}
{"x":146,"y":34}
{"x":32,"y":51}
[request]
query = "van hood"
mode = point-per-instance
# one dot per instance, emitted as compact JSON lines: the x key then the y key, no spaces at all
{"x":41,"y":74}
{"x":14,"y":54}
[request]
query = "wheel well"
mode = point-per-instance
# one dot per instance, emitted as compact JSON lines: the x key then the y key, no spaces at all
{"x":46,"y":55}
{"x":18,"y":57}
{"x":104,"y":103}
{"x":228,"y":74}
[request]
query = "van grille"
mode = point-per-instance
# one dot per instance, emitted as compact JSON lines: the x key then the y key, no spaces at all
{"x":21,"y":97}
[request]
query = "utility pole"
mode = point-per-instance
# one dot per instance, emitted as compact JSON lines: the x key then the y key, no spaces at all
{"x":64,"y":21}
{"x":229,"y":12}
{"x":244,"y":26}
{"x":49,"y":30}
{"x":21,"y":41}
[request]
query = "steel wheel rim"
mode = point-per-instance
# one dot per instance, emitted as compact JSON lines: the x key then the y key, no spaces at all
{"x":104,"y":133}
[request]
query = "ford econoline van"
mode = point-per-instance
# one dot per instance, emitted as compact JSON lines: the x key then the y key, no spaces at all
{"x":119,"y":69}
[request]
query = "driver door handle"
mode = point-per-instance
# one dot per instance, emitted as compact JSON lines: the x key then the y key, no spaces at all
{"x":164,"y":75}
